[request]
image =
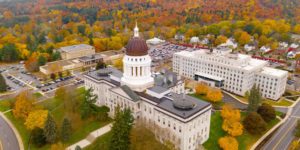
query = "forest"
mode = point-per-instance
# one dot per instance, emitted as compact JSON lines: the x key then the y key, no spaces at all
{"x":31,"y":29}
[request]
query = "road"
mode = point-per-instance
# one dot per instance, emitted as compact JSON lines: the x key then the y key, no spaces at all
{"x":284,"y":135}
{"x":7,"y":136}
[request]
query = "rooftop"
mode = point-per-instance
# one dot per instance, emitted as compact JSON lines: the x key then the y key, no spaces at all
{"x":90,"y":58}
{"x":78,"y":47}
{"x":158,"y":89}
{"x":273,"y":72}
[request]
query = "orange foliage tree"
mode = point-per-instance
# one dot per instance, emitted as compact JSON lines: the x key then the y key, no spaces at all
{"x":214,"y":95}
{"x":228,"y":143}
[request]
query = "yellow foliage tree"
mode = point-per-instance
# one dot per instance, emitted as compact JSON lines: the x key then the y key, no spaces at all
{"x":228,"y":112}
{"x":220,"y":39}
{"x":228,"y":143}
{"x":36,"y":118}
{"x":23,"y":105}
{"x":233,"y":128}
{"x":201,"y":88}
{"x":214,"y":95}
{"x":118,"y":63}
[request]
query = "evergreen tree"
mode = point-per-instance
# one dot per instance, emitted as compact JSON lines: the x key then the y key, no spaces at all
{"x":38,"y":137}
{"x":297,"y":129}
{"x":77,"y":148}
{"x":254,"y":99}
{"x":88,"y":104}
{"x":50,"y":129}
{"x":9,"y":53}
{"x":121,"y":130}
{"x":42,"y":60}
{"x":3,"y":85}
{"x":267,"y":112}
{"x":66,"y":130}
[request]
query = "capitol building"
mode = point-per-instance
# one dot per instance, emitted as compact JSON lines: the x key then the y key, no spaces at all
{"x":157,"y":99}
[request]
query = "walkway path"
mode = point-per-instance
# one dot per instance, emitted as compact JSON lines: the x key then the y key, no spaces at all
{"x":91,"y":137}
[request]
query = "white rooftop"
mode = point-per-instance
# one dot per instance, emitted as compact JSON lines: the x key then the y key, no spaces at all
{"x":78,"y":47}
{"x":273,"y":72}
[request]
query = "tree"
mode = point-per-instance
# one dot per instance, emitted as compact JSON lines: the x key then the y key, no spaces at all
{"x":228,"y":143}
{"x":118,"y":63}
{"x":254,"y":99}
{"x":9,"y":53}
{"x":50,"y":129}
{"x":100,"y":65}
{"x":88,"y":104}
{"x":244,"y":38}
{"x":3,"y":85}
{"x":254,"y":123}
{"x":297,"y":129}
{"x":36,"y":119}
{"x":267,"y":112}
{"x":38,"y":138}
{"x":23,"y":105}
{"x":214,"y":95}
{"x":60,"y":74}
{"x":295,"y":145}
{"x":220,"y":39}
{"x":77,"y":147}
{"x":32,"y":63}
{"x":41,"y":60}
{"x":121,"y":128}
{"x":232,"y":128}
{"x":53,"y":76}
{"x":228,"y":112}
{"x":66,"y":130}
{"x":201,"y":88}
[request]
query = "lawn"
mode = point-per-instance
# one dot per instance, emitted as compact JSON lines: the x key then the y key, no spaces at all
{"x":102,"y":141}
{"x":281,"y":102}
{"x":80,"y":129}
{"x":216,"y":132}
{"x":246,"y":140}
{"x":6,"y":104}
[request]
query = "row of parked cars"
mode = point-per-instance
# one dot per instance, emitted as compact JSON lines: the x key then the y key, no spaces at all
{"x":16,"y":81}
{"x":47,"y":86}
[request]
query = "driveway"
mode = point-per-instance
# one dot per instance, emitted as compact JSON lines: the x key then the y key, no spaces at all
{"x":8,"y":137}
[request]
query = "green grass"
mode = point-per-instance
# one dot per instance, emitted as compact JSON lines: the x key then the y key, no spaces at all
{"x":281,"y":102}
{"x":6,"y":104}
{"x":56,"y":107}
{"x":215,"y":133}
{"x":246,"y":140}
{"x":37,"y":95}
{"x":102,"y":141}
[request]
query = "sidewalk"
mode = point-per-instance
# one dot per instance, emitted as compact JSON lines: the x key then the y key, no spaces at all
{"x":91,"y":137}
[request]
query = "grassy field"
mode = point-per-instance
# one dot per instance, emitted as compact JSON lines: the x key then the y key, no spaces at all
{"x":246,"y":140}
{"x":6,"y":104}
{"x":281,"y":102}
{"x":80,"y":129}
{"x":102,"y":142}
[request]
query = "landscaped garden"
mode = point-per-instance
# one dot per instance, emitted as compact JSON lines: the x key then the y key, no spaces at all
{"x":60,"y":107}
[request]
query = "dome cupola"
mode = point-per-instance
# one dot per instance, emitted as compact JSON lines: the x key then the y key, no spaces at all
{"x":136,"y":46}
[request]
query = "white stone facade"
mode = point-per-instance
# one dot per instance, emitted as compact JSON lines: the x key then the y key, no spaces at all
{"x":239,"y":72}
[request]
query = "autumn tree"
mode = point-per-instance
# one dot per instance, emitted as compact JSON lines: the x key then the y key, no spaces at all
{"x":118,"y":63}
{"x":3,"y":85}
{"x":201,"y":88}
{"x":57,"y":146}
{"x":36,"y":119}
{"x":50,"y":129}
{"x":254,"y":99}
{"x":23,"y":105}
{"x":220,"y":39}
{"x":297,"y":129}
{"x":267,"y":112}
{"x":244,"y":38}
{"x":254,"y":123}
{"x":231,"y":121}
{"x":228,"y":143}
{"x":214,"y":95}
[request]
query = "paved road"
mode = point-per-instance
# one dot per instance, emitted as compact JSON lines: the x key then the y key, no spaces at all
{"x":284,"y":135}
{"x":7,"y":136}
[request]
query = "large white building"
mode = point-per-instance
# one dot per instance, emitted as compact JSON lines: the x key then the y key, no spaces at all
{"x":157,"y":99}
{"x":236,"y":73}
{"x":75,"y":51}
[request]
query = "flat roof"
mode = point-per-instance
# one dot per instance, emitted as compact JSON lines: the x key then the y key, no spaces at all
{"x":168,"y":105}
{"x":273,"y":72}
{"x":158,"y":89}
{"x":78,"y":47}
{"x":90,"y":57}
